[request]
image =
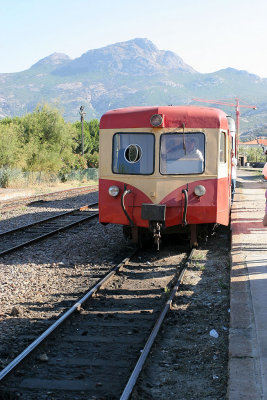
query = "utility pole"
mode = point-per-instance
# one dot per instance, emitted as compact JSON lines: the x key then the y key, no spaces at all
{"x":82,"y":114}
{"x":237,"y":106}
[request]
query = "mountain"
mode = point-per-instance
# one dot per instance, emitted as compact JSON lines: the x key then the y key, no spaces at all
{"x":128,"y":73}
{"x":136,"y":57}
{"x":51,"y":62}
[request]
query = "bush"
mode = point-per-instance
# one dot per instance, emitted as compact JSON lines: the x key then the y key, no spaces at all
{"x":4,"y":178}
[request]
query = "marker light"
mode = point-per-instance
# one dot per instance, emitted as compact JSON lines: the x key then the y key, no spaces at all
{"x":156,"y":120}
{"x":199,"y":190}
{"x":113,"y":191}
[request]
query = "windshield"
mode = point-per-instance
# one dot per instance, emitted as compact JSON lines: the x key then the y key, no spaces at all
{"x":182,"y":153}
{"x":133,"y":153}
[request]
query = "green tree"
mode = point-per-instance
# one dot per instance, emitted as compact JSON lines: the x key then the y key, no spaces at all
{"x":254,"y":154}
{"x":47,"y":140}
{"x":91,"y":140}
{"x":92,"y":160}
{"x":10,"y":152}
{"x":94,"y":135}
{"x":43,"y":141}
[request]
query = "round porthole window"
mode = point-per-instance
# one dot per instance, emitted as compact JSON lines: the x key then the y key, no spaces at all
{"x":133,"y":153}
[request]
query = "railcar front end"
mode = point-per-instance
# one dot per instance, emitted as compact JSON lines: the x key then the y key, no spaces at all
{"x":163,"y":168}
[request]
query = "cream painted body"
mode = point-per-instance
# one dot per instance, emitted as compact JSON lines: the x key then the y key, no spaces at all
{"x":157,"y":186}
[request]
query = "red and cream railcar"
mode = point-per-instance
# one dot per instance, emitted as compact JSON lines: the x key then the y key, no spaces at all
{"x":163,"y":168}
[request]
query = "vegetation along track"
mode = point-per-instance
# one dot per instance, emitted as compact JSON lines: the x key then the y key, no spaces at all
{"x":27,"y":234}
{"x":92,"y":355}
{"x":11,"y":204}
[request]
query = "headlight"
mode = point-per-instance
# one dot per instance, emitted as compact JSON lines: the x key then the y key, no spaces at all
{"x":113,"y":191}
{"x":200,"y":190}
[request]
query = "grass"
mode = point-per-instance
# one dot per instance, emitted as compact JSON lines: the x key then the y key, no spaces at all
{"x":198,"y":256}
{"x":167,"y":291}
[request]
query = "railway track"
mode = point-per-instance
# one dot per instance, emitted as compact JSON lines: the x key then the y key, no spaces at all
{"x":7,"y":205}
{"x":96,"y":349}
{"x":31,"y":233}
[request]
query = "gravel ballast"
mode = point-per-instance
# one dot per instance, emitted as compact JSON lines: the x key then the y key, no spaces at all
{"x":40,"y":281}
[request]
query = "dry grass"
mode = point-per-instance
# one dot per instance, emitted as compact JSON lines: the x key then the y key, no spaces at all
{"x":18,"y":190}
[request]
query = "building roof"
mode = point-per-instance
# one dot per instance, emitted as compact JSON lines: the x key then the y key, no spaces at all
{"x":258,"y":141}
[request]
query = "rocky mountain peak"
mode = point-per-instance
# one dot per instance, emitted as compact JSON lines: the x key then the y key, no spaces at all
{"x":135,"y":57}
{"x":54,"y":59}
{"x":130,"y":73}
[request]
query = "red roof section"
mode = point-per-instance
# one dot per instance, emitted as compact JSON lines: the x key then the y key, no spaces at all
{"x":262,"y":142}
{"x":174,"y":117}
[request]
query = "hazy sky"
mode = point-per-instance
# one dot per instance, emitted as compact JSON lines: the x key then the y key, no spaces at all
{"x":208,"y":34}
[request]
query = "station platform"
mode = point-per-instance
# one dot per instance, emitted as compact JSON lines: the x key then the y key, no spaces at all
{"x":248,"y":301}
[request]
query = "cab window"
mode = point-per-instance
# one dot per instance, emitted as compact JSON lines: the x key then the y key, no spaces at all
{"x":182,"y":153}
{"x":133,"y":153}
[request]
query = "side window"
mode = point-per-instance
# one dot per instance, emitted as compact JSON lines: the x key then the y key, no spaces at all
{"x":133,"y":153}
{"x":222,"y":147}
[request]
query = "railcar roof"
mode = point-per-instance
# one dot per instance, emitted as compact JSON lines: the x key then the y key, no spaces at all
{"x":174,"y":117}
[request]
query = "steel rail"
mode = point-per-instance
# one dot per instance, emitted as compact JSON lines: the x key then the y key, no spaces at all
{"x":20,"y":228}
{"x":11,"y":366}
{"x":45,"y":235}
{"x":25,"y":199}
{"x":140,"y":363}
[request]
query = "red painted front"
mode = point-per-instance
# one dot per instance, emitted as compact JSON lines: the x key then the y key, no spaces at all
{"x":213,"y":207}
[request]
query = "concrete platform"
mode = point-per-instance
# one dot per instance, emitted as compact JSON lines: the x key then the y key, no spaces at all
{"x":248,"y":304}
